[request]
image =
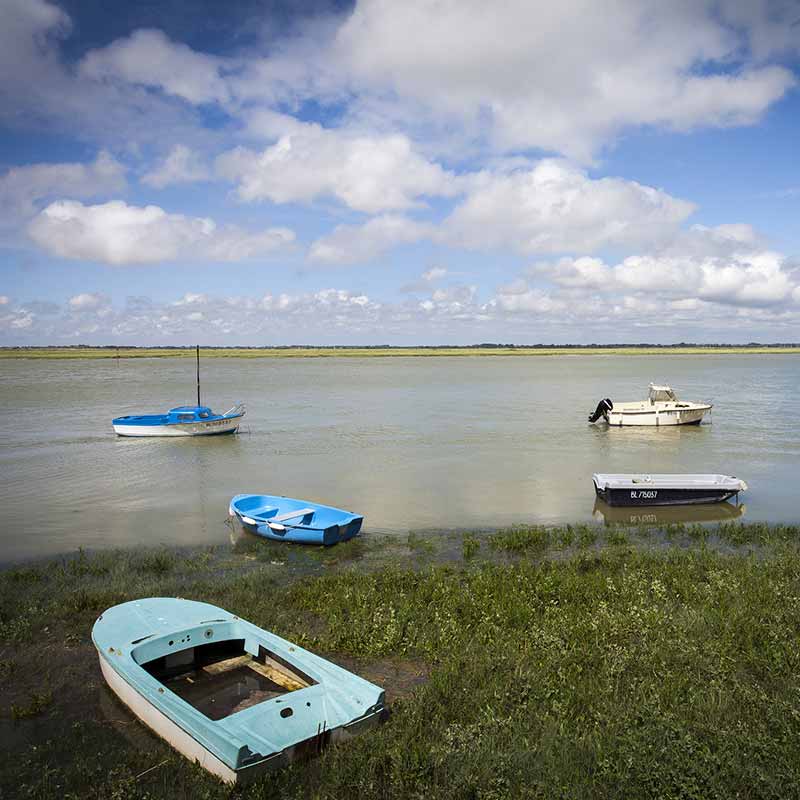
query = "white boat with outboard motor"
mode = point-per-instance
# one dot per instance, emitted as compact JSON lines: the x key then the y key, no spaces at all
{"x":639,"y":489}
{"x":662,"y":407}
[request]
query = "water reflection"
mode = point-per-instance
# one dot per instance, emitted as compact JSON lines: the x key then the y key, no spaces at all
{"x":666,"y":515}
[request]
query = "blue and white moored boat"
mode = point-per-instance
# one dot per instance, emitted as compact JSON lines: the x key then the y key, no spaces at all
{"x":290,"y":520}
{"x":224,"y":693}
{"x":183,"y":420}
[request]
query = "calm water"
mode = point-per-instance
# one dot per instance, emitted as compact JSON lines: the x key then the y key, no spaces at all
{"x":411,"y":443}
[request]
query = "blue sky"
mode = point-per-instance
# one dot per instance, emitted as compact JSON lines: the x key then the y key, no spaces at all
{"x":418,"y":172}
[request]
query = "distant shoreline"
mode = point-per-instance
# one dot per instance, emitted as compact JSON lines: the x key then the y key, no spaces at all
{"x":392,"y":352}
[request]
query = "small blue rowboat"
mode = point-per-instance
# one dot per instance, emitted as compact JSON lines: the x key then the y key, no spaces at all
{"x":288,"y":520}
{"x":227,"y":694}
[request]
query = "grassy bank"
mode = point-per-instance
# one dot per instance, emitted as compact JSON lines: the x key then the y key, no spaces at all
{"x":378,"y":352}
{"x":532,"y":662}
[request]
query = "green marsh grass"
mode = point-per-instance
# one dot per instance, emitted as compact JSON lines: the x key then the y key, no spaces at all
{"x":574,"y":662}
{"x":470,"y":546}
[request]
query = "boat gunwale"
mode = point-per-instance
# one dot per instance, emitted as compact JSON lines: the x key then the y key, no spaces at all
{"x":610,"y":481}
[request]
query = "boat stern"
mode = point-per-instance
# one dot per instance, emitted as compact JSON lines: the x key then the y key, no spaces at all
{"x":599,"y":486}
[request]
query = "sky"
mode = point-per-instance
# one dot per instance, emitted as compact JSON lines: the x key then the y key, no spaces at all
{"x":282,"y":172}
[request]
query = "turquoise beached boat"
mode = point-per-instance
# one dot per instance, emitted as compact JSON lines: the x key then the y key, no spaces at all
{"x":227,"y":694}
{"x":289,"y":520}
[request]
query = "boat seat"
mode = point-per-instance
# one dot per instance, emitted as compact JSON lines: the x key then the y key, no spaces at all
{"x":301,"y":512}
{"x":260,"y":512}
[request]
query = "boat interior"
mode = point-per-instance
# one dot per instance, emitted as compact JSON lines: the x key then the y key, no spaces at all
{"x":221,"y":678}
{"x":278,"y":509}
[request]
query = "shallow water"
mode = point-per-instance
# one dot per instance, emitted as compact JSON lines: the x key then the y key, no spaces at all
{"x":409,"y":442}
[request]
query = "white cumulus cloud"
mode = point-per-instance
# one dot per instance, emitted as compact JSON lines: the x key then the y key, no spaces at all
{"x":358,"y":243}
{"x":367,"y":173}
{"x":117,"y":233}
{"x":520,"y":297}
{"x":150,"y":58}
{"x":23,"y":189}
{"x":88,"y":301}
{"x":566,"y":77}
{"x":555,"y":207}
{"x":740,"y":273}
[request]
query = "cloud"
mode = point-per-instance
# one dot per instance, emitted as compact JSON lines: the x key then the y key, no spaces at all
{"x":551,"y":207}
{"x":30,"y":27}
{"x":359,"y":243}
{"x":15,"y":320}
{"x":23,"y":189}
{"x":300,"y":315}
{"x":438,"y":73}
{"x":88,"y":301}
{"x":519,"y":297}
{"x":367,"y":173}
{"x":434,"y":274}
{"x":39,"y":90}
{"x":521,"y":311}
{"x":119,"y":234}
{"x":425,"y":281}
{"x":554,"y":207}
{"x":732,"y":269}
{"x":180,"y":166}
{"x":570,"y":78}
{"x":453,"y":303}
{"x":150,"y":58}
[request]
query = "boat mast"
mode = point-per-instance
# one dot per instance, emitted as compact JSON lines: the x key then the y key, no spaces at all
{"x":198,"y":374}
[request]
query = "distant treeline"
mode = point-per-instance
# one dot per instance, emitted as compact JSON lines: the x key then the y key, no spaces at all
{"x":481,"y":346}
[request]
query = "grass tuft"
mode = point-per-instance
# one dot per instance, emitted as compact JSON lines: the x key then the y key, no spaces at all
{"x":37,"y":703}
{"x":157,"y":563}
{"x":470,"y":546}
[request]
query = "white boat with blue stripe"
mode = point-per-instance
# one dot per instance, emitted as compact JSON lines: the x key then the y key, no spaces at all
{"x":195,"y":420}
{"x":181,"y":421}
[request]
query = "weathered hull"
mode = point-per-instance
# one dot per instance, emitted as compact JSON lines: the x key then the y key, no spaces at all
{"x":162,"y":725}
{"x":210,"y":428}
{"x":226,"y":694}
{"x":190,"y":748}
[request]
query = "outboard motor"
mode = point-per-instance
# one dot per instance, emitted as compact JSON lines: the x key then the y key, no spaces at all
{"x":603,"y":407}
